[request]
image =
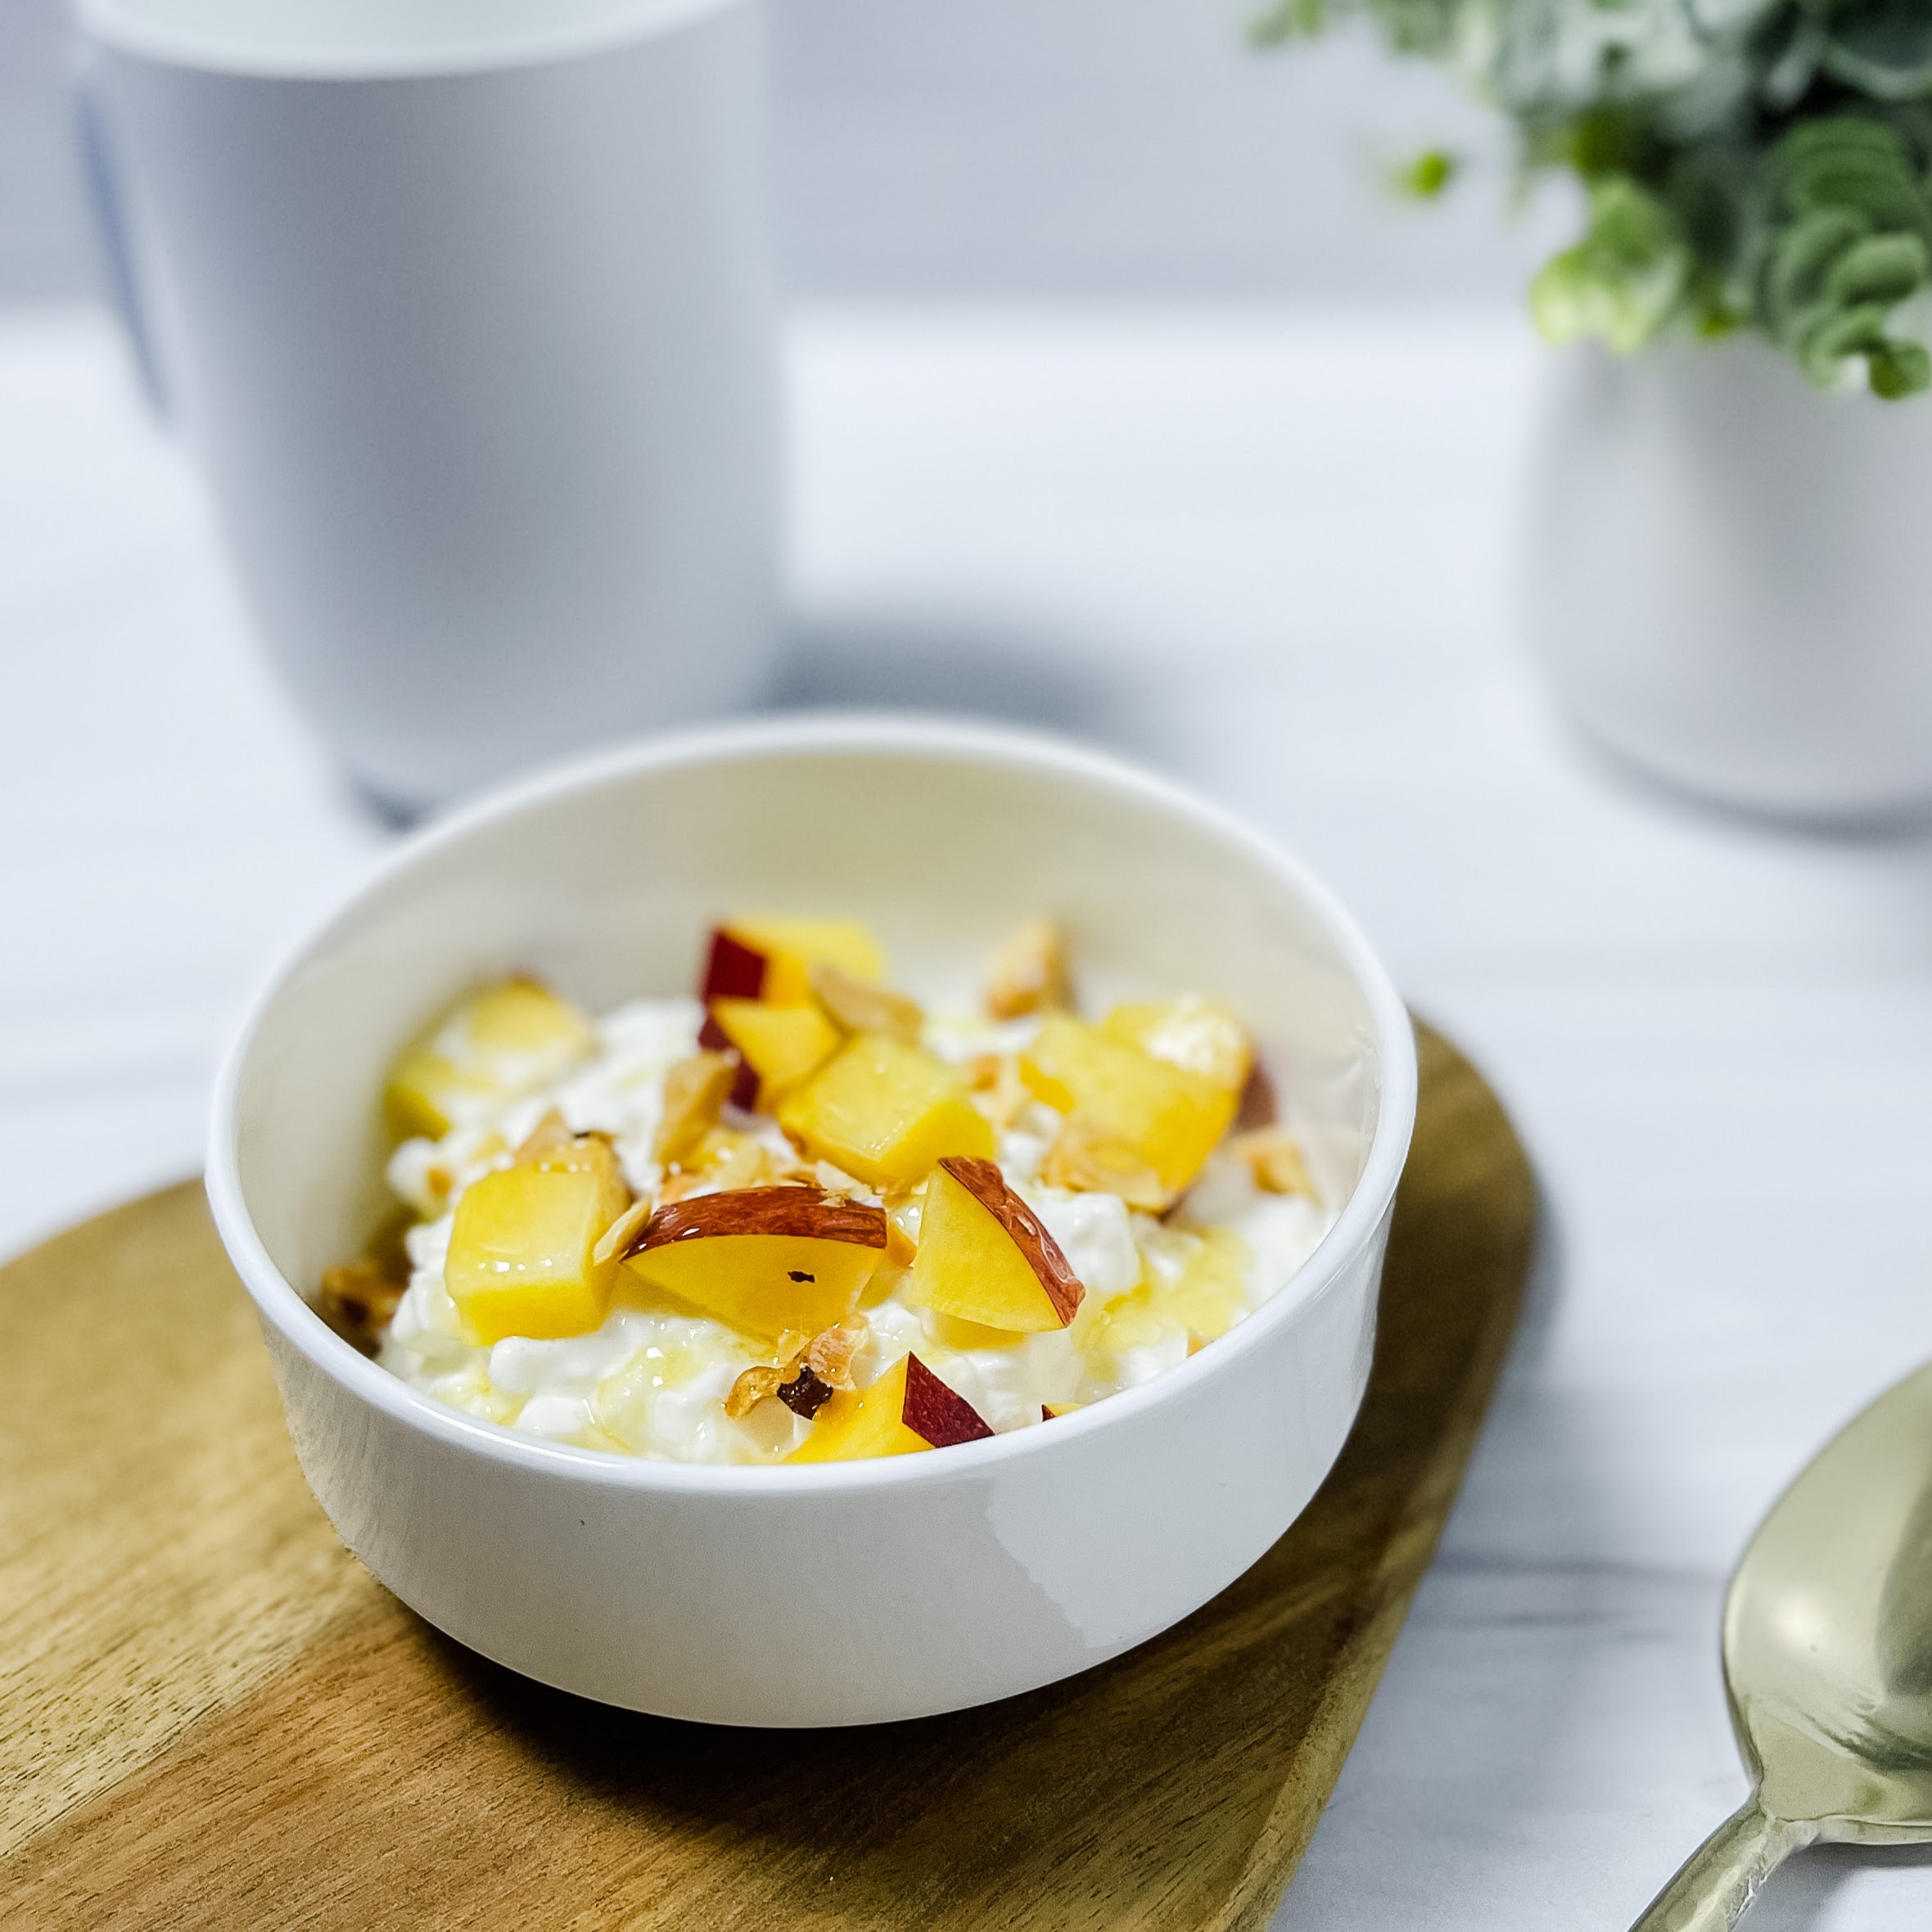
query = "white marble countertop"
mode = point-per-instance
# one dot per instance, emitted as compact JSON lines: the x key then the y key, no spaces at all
{"x":1272,"y":554}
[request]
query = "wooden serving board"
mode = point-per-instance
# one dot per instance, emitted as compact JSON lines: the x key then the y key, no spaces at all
{"x":210,"y":1715}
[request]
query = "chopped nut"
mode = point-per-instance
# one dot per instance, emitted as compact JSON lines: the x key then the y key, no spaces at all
{"x":830,"y":1354}
{"x":694,"y":1091}
{"x":616,"y":1238}
{"x":1029,"y":972}
{"x":998,"y":1077}
{"x":358,"y":1301}
{"x":548,"y":1136}
{"x":1083,"y":1160}
{"x":750,"y":1388}
{"x":805,"y":1394}
{"x":1276,"y":1160}
{"x":807,"y":1372}
{"x":862,"y":1008}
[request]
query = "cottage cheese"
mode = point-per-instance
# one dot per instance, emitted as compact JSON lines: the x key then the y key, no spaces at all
{"x":652,"y":1381}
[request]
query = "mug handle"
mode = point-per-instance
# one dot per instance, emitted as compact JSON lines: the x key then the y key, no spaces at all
{"x":106,"y":203}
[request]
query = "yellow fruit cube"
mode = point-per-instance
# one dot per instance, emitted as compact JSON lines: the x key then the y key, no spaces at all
{"x":1202,"y":1036}
{"x":764,"y":1259}
{"x":1171,"y":1117}
{"x":885,"y":1112}
{"x":520,"y":1259}
{"x":985,"y":1257}
{"x":790,"y":948}
{"x":781,"y":1045}
{"x":908,"y":1408}
{"x":505,"y":1039}
{"x":859,"y":1422}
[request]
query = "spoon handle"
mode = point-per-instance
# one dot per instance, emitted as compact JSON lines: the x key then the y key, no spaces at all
{"x":1715,"y":1884}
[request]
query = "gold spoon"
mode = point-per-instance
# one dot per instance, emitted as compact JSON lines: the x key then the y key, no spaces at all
{"x":1828,"y":1663}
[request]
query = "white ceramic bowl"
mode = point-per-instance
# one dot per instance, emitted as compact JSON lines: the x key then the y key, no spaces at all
{"x":850,"y":1592}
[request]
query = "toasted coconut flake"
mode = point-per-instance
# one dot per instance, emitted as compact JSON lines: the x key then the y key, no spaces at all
{"x":358,"y":1301}
{"x":694,"y":1091}
{"x":750,"y":1388}
{"x":616,"y":1238}
{"x":860,"y":1007}
{"x":830,"y":1356}
{"x":1029,"y":972}
{"x":1275,"y":1159}
{"x":1084,"y":1161}
{"x":548,"y":1136}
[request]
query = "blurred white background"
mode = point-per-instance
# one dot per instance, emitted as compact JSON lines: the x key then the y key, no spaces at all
{"x":1010,"y":149}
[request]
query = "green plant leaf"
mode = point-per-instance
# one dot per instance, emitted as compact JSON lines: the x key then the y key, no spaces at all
{"x":1624,"y":280}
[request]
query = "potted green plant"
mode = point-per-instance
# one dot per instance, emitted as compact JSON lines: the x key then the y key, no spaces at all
{"x":1729,"y":529}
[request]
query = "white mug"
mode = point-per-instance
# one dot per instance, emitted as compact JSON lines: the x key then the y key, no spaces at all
{"x":465,"y":307}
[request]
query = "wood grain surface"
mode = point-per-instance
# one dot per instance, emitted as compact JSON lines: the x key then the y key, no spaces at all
{"x":211,"y":1716}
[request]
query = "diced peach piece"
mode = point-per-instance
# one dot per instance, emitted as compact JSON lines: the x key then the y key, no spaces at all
{"x":781,"y":1045}
{"x":766,"y":1260}
{"x":1202,"y":1036}
{"x":907,"y":1410}
{"x":937,"y":1410}
{"x":1171,"y":1117}
{"x":885,"y":1112}
{"x":771,"y":959}
{"x":985,"y":1257}
{"x":1051,"y":1411}
{"x":505,"y":1039}
{"x":522,"y":1254}
{"x":864,"y":1422}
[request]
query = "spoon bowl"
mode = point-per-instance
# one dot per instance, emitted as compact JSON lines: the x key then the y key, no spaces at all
{"x":1828,"y":1664}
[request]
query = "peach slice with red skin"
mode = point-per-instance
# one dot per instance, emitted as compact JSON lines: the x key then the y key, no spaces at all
{"x":772,"y":961}
{"x":777,"y":1045}
{"x":986,"y":1256}
{"x":763,"y":1259}
{"x":907,"y":1410}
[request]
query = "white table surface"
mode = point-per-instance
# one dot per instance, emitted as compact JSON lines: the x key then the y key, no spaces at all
{"x":1270,"y":554}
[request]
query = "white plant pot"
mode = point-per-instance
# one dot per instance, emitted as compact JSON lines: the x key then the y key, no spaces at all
{"x":1729,"y":577}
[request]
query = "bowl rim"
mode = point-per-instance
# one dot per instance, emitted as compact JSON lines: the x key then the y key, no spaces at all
{"x":281,"y":1306}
